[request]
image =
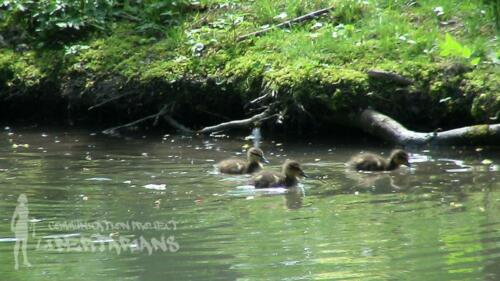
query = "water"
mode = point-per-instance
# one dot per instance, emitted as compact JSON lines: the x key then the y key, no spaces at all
{"x":440,"y":220}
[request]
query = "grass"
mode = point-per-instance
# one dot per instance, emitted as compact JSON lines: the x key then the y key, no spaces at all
{"x":404,"y":36}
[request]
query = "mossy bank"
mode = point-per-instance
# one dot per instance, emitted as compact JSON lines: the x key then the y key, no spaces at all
{"x":316,"y":70}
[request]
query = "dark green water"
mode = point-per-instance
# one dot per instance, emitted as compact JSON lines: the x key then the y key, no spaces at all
{"x":438,"y":221}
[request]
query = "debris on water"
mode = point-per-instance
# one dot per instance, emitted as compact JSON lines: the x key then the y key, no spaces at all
{"x":145,"y":154}
{"x":155,"y":186}
{"x":25,"y":145}
{"x":127,"y":182}
{"x":85,"y":198}
{"x":250,"y":197}
{"x":486,"y":162}
{"x":98,"y":179}
{"x":157,"y":203}
{"x":44,"y":135}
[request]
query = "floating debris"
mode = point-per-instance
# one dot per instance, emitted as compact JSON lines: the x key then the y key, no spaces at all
{"x":486,"y":162}
{"x":25,"y":145}
{"x":98,"y":179}
{"x":155,"y":186}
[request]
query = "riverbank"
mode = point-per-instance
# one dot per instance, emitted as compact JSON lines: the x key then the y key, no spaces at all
{"x":316,"y":70}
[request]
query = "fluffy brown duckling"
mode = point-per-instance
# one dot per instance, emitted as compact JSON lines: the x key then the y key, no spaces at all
{"x":291,"y":171}
{"x":239,"y":166}
{"x":372,"y":162}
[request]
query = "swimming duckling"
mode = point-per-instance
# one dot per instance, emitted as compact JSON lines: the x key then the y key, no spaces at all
{"x":287,"y":178}
{"x":239,"y":166}
{"x":372,"y":162}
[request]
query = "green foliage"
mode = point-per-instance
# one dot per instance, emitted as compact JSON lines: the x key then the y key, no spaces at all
{"x":326,"y":58}
{"x":450,"y":47}
{"x":60,"y":21}
{"x":350,"y":11}
{"x":50,"y":21}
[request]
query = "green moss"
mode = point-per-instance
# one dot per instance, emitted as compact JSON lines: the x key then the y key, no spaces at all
{"x":478,"y":131}
{"x":19,"y":71}
{"x":484,"y":84}
{"x":320,"y":62}
{"x":486,"y":107}
{"x":169,"y":71}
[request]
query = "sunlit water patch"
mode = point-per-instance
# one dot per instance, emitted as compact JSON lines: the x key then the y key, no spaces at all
{"x":154,"y":208}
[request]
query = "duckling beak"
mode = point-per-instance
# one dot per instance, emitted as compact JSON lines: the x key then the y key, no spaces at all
{"x":302,"y":174}
{"x":264,"y":159}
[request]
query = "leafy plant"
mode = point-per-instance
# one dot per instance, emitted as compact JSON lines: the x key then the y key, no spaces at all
{"x":450,"y":47}
{"x":57,"y":20}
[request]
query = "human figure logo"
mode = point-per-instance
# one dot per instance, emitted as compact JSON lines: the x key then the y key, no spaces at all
{"x":105,"y":235}
{"x":19,"y":225}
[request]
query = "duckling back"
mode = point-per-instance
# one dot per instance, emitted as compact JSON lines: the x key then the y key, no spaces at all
{"x":239,"y":166}
{"x":232,"y":166}
{"x":265,"y":179}
{"x":287,"y":178}
{"x":367,"y":162}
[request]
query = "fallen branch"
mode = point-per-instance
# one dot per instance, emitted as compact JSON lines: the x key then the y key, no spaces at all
{"x":286,"y":23}
{"x":110,"y":100}
{"x":156,"y":116}
{"x":113,"y":131}
{"x":260,"y":99}
{"x":177,"y":125}
{"x":386,"y":128}
{"x":390,"y":76}
{"x":249,"y":122}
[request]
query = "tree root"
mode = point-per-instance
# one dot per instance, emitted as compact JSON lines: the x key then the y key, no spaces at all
{"x":388,"y":129}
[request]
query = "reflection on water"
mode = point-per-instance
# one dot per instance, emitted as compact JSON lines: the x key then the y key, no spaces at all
{"x":152,"y":208}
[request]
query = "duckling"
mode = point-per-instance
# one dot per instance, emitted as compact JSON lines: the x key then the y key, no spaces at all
{"x":239,"y":166}
{"x":372,"y":162}
{"x":287,"y":178}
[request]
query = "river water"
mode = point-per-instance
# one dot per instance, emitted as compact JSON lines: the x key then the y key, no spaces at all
{"x":153,"y":208}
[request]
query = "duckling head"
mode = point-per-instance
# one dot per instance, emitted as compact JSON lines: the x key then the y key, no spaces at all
{"x":400,"y":157}
{"x":256,"y":155}
{"x":292,"y":169}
